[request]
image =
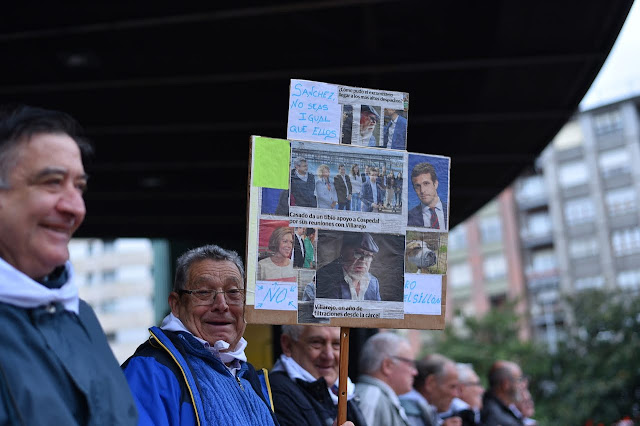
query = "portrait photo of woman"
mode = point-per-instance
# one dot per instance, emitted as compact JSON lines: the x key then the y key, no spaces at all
{"x":277,"y":265}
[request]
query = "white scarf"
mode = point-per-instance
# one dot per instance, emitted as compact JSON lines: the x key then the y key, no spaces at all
{"x":19,"y":290}
{"x":219,"y":349}
{"x":295,"y":371}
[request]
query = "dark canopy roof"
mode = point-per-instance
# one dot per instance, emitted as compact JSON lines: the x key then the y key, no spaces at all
{"x":171,"y":92}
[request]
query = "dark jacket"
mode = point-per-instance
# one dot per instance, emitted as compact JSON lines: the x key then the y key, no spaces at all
{"x":495,"y":413}
{"x":303,"y":193}
{"x":415,"y":218}
{"x":308,"y":403}
{"x":341,"y":189}
{"x":56,"y":368}
{"x":330,"y":283}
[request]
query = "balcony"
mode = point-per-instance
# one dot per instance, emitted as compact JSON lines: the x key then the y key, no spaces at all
{"x":538,"y":238}
{"x":539,"y":280}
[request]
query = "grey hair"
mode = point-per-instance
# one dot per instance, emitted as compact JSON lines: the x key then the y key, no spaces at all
{"x":465,"y":371}
{"x":299,"y":161}
{"x":212,"y":252}
{"x":433,"y":364}
{"x":293,"y":331}
{"x":378,"y":348}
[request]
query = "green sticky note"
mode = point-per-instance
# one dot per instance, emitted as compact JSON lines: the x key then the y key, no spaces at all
{"x":271,"y":163}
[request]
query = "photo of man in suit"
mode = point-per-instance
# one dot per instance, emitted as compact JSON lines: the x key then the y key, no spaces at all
{"x":431,"y":212}
{"x":372,"y":194}
{"x":342,"y":183}
{"x":303,"y":184}
{"x":395,"y":131}
{"x":298,"y":247}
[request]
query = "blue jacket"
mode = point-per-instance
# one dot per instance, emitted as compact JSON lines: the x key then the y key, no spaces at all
{"x":56,"y":368}
{"x":367,"y":196}
{"x":399,"y":140}
{"x":168,"y":388}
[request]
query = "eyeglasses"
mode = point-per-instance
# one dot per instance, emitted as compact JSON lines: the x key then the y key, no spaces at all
{"x":408,"y":361}
{"x":233,"y":296}
{"x":362,"y":255}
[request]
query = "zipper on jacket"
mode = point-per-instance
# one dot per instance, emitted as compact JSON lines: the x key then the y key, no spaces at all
{"x":239,"y":382}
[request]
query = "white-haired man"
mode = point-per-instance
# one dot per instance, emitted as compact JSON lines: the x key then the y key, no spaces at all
{"x":304,"y":380}
{"x":388,"y":367}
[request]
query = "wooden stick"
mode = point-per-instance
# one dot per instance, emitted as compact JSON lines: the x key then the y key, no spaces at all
{"x":343,"y":374}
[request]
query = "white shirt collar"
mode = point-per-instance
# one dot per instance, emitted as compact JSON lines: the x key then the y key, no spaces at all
{"x":173,"y":323}
{"x":18,"y":289}
{"x":364,"y":285}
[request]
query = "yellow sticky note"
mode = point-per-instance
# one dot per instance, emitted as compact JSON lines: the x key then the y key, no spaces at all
{"x":271,"y":163}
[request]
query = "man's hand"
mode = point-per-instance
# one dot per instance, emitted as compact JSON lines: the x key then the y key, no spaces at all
{"x":452,"y":421}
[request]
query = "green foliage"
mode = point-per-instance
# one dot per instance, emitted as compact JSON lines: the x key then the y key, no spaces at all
{"x":595,"y":374}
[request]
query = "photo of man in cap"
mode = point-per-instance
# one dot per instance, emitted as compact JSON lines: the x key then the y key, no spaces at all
{"x":348,"y":277}
{"x":369,"y":119}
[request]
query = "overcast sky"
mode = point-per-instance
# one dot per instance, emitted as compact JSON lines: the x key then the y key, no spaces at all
{"x":620,"y":76}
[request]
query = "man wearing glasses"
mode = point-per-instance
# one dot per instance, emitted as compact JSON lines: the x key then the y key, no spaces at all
{"x":388,"y":364}
{"x":369,"y":119}
{"x":193,"y":369}
{"x":348,"y":277}
{"x":304,"y":380}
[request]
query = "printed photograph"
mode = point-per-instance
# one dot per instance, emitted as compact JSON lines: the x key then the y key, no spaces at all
{"x":426,"y":253}
{"x":275,"y":251}
{"x":342,"y":178}
{"x":428,"y":194}
{"x":360,"y":266}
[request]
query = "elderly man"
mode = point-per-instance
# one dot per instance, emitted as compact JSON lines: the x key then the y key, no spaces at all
{"x":193,"y":369}
{"x":348,"y":277}
{"x":388,"y":368}
{"x":369,"y":119}
{"x":436,"y":385}
{"x":55,"y":364}
{"x":304,"y":380}
{"x":303,"y":184}
{"x":470,"y":392}
{"x":432,"y":211}
{"x":505,"y":384}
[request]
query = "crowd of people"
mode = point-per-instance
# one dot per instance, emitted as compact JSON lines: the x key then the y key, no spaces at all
{"x":373,"y":190}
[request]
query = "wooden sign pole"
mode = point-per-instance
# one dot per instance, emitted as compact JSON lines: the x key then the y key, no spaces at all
{"x":343,"y":374}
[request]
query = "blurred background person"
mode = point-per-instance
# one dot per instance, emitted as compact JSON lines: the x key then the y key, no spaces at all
{"x":278,"y":266}
{"x":469,"y":397}
{"x":388,"y":367}
{"x":325,"y":190}
{"x":436,"y":385}
{"x":504,"y":387}
{"x":356,"y":187}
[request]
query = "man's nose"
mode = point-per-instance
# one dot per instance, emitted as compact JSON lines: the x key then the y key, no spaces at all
{"x":219,"y":302}
{"x":72,"y":202}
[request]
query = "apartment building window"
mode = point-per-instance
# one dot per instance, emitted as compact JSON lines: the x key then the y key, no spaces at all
{"x":490,"y":229}
{"x":459,"y":275}
{"x":495,"y":267}
{"x":531,"y":188}
{"x":572,"y":173}
{"x":542,"y":261}
{"x":458,"y":237}
{"x":579,"y":210}
{"x":614,"y":162}
{"x":589,"y":282}
{"x":108,"y":275}
{"x":583,"y":247}
{"x":620,"y":201}
{"x":538,"y":224}
{"x":608,"y":121}
{"x":629,"y":279}
{"x":626,"y":241}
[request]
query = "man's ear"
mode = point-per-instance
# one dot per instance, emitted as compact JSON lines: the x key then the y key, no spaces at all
{"x":174,"y":302}
{"x":429,"y":382}
{"x":435,"y":184}
{"x":386,"y":367}
{"x":286,"y":342}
